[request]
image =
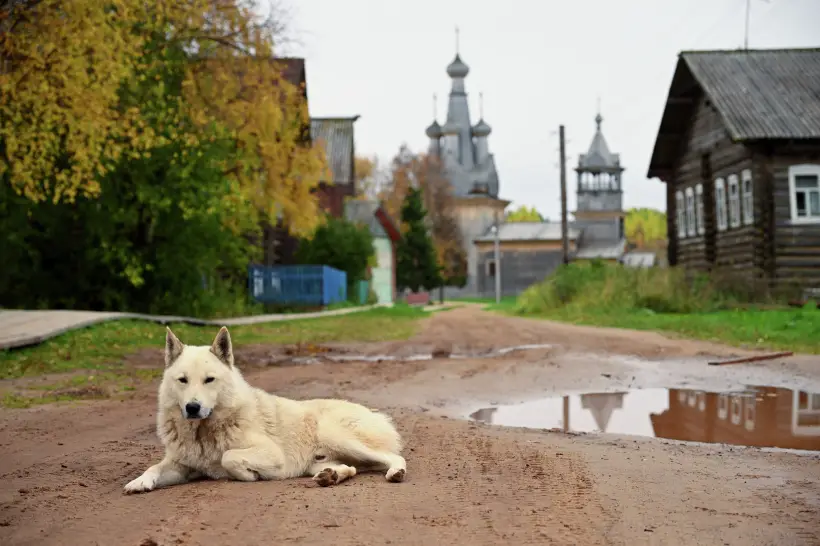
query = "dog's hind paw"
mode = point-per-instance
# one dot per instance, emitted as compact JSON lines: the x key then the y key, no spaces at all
{"x":143,"y":484}
{"x":395,"y":475}
{"x":326,"y":477}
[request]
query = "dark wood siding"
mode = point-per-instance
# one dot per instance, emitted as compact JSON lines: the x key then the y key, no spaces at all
{"x":796,"y":246}
{"x":708,"y":153}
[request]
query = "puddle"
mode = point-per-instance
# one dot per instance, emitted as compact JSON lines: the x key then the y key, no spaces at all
{"x":421,"y":356}
{"x":759,"y":416}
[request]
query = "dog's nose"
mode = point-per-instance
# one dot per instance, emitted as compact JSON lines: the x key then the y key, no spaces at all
{"x":192,"y":409}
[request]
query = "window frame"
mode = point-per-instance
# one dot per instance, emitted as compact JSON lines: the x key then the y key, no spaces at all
{"x":721,"y":204}
{"x":691,"y":226}
{"x":747,"y":192}
{"x":805,"y":169}
{"x":680,"y":216}
{"x":733,"y":199}
{"x":699,"y":210}
{"x":490,"y":268}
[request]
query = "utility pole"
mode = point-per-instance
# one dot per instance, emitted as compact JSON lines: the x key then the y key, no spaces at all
{"x":497,"y":253}
{"x":564,"y":226}
{"x":746,"y":32}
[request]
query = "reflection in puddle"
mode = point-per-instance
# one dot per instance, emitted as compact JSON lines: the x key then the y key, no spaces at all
{"x":760,"y":416}
{"x":423,"y":356}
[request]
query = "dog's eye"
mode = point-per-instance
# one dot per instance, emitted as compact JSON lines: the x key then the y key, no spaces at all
{"x":183,"y":379}
{"x":209,"y":379}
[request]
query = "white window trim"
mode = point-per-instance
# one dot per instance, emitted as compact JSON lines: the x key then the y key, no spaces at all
{"x":691,"y":228}
{"x":794,"y":171}
{"x":723,"y":406}
{"x":748,"y":197}
{"x":806,"y":430}
{"x":699,"y":209}
{"x":736,"y":409}
{"x":750,"y":412}
{"x":733,"y":197}
{"x":680,"y":217}
{"x":720,"y":204}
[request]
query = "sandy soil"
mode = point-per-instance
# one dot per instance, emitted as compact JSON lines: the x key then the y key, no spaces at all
{"x":63,"y":466}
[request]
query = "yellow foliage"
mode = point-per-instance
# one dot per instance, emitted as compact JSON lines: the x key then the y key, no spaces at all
{"x":61,"y":122}
{"x":524,"y":214}
{"x":645,"y":228}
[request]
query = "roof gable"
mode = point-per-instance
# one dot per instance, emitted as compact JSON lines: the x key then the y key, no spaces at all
{"x":336,"y":135}
{"x":759,"y":95}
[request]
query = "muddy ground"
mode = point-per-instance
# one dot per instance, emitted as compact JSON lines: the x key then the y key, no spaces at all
{"x":63,"y":466}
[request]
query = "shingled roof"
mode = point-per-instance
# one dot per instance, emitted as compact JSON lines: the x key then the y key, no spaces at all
{"x":759,"y":94}
{"x":336,"y":135}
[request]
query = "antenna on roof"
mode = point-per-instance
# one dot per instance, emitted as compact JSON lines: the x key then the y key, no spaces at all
{"x":481,"y":105}
{"x":746,"y":29}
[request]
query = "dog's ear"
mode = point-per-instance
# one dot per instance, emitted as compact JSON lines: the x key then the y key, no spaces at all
{"x":173,"y":347}
{"x":222,"y":346}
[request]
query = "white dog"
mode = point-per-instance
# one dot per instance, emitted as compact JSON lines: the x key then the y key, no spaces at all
{"x":214,"y":424}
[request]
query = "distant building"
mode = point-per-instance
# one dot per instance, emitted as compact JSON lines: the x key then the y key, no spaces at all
{"x":738,"y":148}
{"x":529,"y":252}
{"x":386,"y":236}
{"x":337,"y":137}
{"x":599,"y":215}
{"x":470,"y":167}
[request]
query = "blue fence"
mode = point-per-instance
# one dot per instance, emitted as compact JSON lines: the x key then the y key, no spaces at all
{"x":297,"y":284}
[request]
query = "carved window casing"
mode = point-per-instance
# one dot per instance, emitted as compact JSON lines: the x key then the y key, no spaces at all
{"x":720,"y":204}
{"x":748,"y":197}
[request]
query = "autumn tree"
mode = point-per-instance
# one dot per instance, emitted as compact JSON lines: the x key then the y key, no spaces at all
{"x":426,"y":173}
{"x":524,"y":214}
{"x":140,"y":144}
{"x":62,"y":124}
{"x":370,"y":177}
{"x":645,"y":228}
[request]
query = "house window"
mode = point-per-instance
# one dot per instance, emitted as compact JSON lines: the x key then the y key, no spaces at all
{"x":750,"y":410}
{"x":491,"y":268}
{"x":805,"y":413}
{"x":736,"y":410}
{"x":734,"y":201}
{"x":690,"y":212}
{"x":699,"y":209}
{"x":681,"y":214}
{"x":804,"y":193}
{"x":723,"y":406}
{"x":748,"y":197}
{"x":720,"y":204}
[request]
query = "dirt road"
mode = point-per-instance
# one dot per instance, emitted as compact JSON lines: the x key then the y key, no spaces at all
{"x":63,"y":466}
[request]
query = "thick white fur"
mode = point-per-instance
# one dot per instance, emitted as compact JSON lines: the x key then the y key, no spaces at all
{"x":248,"y":434}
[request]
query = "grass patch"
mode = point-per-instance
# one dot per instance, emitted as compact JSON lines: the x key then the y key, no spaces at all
{"x":666,"y":300}
{"x":98,"y":346}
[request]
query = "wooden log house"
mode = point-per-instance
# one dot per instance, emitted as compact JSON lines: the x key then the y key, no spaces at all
{"x":739,"y":150}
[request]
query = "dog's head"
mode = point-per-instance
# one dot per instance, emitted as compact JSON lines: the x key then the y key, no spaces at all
{"x":198,"y":378}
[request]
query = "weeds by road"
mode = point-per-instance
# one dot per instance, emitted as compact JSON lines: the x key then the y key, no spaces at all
{"x":89,"y":361}
{"x":665,"y":300}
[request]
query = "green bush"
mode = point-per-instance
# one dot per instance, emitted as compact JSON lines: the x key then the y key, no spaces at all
{"x":610,"y":287}
{"x":341,"y":244}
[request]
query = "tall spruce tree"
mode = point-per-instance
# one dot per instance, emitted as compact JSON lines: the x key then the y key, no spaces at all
{"x":416,"y":263}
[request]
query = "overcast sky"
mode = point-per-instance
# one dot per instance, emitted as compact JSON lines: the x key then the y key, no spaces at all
{"x":539,"y":64}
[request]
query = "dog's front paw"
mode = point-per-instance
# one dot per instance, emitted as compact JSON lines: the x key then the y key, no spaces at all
{"x":143,"y":484}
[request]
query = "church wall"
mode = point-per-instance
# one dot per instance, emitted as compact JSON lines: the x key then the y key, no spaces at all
{"x":474,"y":220}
